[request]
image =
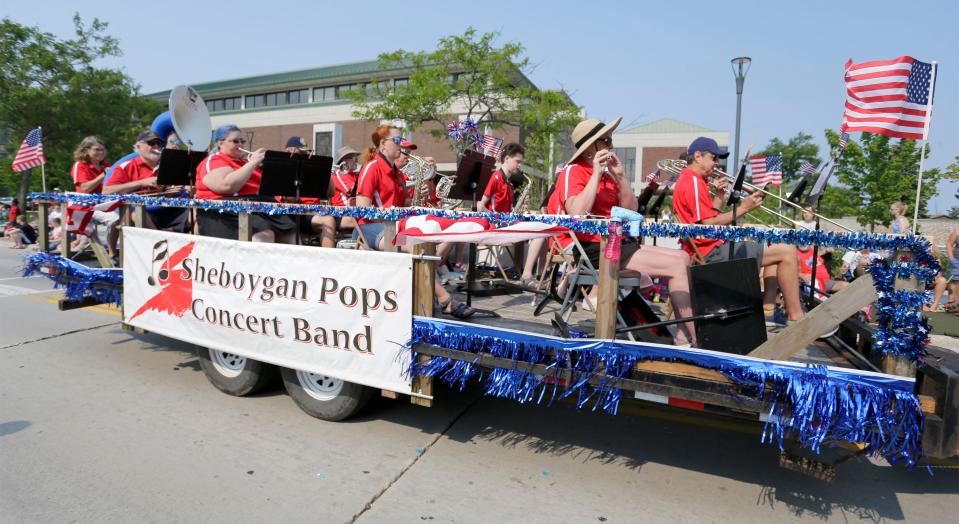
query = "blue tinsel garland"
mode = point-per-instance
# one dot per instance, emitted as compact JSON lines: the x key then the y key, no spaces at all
{"x":813,"y":404}
{"x":898,"y":331}
{"x":78,"y":281}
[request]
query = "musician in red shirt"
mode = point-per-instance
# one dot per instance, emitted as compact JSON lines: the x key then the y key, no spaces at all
{"x":692,"y":204}
{"x":498,"y":195}
{"x":341,"y":191}
{"x":591,"y":184}
{"x":231,"y":174}
{"x":381,"y":185}
{"x":88,"y":172}
{"x":139,"y":174}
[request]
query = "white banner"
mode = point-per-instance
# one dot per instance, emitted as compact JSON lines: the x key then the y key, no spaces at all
{"x":339,"y":312}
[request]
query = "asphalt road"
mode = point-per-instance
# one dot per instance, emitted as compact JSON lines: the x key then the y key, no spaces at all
{"x":101,"y":425}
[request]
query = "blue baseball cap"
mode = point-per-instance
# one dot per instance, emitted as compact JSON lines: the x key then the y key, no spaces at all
{"x":706,"y":144}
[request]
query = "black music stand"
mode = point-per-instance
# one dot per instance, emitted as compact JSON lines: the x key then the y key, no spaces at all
{"x":178,"y":167}
{"x":295,"y":175}
{"x":735,"y":196}
{"x":472,"y":176}
{"x":813,"y":203}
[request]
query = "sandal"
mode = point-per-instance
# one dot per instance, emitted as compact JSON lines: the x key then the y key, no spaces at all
{"x":460,"y":310}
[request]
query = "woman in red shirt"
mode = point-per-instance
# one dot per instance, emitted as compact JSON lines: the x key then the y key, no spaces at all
{"x":592,"y":183}
{"x":230,"y":174}
{"x":90,"y":166}
{"x":382,"y":185}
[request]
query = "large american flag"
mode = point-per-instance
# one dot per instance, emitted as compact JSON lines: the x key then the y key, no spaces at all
{"x":767,"y":169}
{"x":889,"y":97}
{"x":30,"y":154}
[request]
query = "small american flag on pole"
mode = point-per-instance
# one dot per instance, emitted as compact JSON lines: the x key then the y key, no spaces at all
{"x":30,"y":154}
{"x":807,"y":168}
{"x":490,"y":145}
{"x":890,"y":97}
{"x":843,"y":140}
{"x":767,"y":169}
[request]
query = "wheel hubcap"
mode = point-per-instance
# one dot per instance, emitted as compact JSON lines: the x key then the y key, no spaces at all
{"x":320,"y":387}
{"x":227,"y":364}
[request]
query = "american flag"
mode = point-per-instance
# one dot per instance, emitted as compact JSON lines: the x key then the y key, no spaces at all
{"x":767,"y":169}
{"x":807,"y":168}
{"x":653,"y":177}
{"x":490,"y":145}
{"x":843,"y":140}
{"x":889,"y":97}
{"x":30,"y":154}
{"x":79,"y":218}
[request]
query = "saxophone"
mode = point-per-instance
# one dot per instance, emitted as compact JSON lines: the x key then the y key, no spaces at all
{"x":522,"y":202}
{"x":443,"y":188}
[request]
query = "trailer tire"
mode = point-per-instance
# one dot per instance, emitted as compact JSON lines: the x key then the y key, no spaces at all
{"x":324,"y":397}
{"x":233,"y":374}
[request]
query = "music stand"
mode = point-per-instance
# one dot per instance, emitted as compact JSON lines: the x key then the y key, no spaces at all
{"x":472,"y":176}
{"x":735,"y":197}
{"x":178,"y":167}
{"x":813,"y":203}
{"x":295,"y":175}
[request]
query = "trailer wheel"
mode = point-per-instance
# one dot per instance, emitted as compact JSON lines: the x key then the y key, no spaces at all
{"x":233,"y":374}
{"x":325,"y":397}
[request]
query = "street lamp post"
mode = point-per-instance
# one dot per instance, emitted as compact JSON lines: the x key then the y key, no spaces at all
{"x":740,"y":67}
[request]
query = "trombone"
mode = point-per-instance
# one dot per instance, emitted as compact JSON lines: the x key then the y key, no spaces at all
{"x":673,"y":167}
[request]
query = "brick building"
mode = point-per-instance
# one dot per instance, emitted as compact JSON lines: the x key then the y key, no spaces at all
{"x":640,"y":148}
{"x":313,"y":103}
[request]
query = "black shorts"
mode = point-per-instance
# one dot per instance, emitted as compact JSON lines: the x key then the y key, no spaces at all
{"x":626,"y":250}
{"x":170,"y":218}
{"x":226,"y":225}
{"x":744,"y":249}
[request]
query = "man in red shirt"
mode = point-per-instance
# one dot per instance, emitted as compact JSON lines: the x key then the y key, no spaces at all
{"x":139,"y":174}
{"x":340,"y":190}
{"x":692,"y":204}
{"x":498,"y":195}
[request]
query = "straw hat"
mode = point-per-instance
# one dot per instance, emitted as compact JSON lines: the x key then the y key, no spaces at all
{"x":343,"y":152}
{"x":587,"y":132}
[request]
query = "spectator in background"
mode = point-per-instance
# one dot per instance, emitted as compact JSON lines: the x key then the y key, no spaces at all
{"x":900,"y":224}
{"x":27,"y":236}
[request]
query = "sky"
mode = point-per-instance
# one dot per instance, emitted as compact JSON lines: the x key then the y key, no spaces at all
{"x":639,"y":60}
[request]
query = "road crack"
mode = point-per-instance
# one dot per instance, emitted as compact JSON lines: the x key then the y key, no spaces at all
{"x":58,"y":335}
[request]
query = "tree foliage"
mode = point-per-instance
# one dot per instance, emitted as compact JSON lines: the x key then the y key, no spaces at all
{"x":879,"y":171}
{"x":53,"y":83}
{"x":795,"y":151}
{"x":471,"y":75}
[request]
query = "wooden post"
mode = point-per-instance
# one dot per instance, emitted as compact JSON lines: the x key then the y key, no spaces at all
{"x":245,"y":227}
{"x":44,"y":240}
{"x":424,"y":276}
{"x":823,"y":318}
{"x":608,"y":294}
{"x":897,"y":364}
{"x":389,"y":233}
{"x":139,"y":216}
{"x":65,"y":233}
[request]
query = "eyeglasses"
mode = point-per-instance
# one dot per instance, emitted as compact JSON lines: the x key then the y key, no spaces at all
{"x":240,"y":141}
{"x":608,"y":140}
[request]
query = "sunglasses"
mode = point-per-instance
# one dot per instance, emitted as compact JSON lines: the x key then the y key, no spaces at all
{"x":240,"y":141}
{"x":397,"y":139}
{"x":608,"y":140}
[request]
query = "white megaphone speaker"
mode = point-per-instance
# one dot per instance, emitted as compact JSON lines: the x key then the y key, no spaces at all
{"x":190,"y":118}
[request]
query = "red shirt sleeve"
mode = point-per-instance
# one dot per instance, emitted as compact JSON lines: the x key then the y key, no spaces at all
{"x":120,"y":174}
{"x":369,"y":180}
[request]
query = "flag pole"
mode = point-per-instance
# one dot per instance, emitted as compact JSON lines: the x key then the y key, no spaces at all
{"x":43,"y":172}
{"x":922,"y":148}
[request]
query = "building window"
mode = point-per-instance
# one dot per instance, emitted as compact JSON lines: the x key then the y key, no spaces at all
{"x":627,"y":155}
{"x":343,"y":90}
{"x":324,"y":94}
{"x":323,"y":143}
{"x":401,"y":82}
{"x":300,"y":96}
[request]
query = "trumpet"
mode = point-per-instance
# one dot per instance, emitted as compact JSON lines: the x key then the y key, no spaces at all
{"x":674,"y":167}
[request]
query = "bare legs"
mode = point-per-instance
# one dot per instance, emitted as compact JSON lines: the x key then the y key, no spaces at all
{"x":655,"y":261}
{"x":784,"y":263}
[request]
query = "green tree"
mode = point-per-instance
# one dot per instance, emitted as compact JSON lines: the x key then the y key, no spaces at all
{"x":879,"y":171}
{"x":53,"y":83}
{"x":471,"y":75}
{"x":795,"y":151}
